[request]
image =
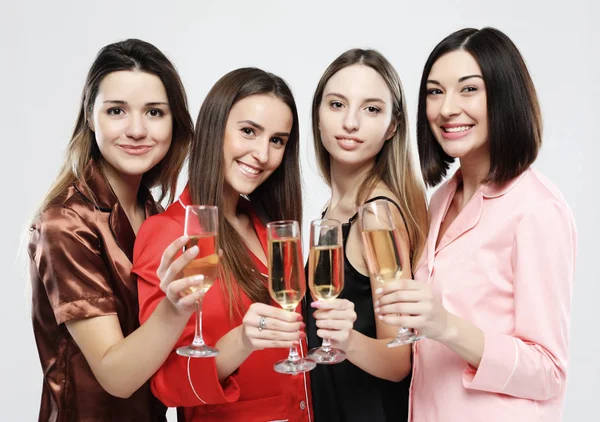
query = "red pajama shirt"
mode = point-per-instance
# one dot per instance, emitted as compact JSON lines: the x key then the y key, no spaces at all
{"x":254,"y":392}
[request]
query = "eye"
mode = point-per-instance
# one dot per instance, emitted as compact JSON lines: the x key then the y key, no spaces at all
{"x":115,"y":111}
{"x":247,"y":131}
{"x":277,"y":141}
{"x":155,"y":112}
{"x":434,"y":91}
{"x":373,"y":109}
{"x":336,"y":104}
{"x":469,"y":89}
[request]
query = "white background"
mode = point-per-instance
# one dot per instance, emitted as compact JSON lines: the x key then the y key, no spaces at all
{"x":46,"y":49}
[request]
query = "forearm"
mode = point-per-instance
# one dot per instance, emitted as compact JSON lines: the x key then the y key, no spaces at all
{"x":129,"y":363}
{"x":465,"y":339}
{"x":373,"y":356}
{"x":232,"y":353}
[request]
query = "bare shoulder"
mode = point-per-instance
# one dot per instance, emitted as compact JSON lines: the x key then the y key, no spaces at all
{"x":398,"y":213}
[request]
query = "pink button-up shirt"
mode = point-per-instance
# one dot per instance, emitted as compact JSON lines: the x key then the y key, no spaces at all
{"x":506,"y":265}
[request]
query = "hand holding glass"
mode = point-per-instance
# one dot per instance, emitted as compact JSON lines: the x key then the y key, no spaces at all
{"x":202,"y":228}
{"x":286,"y":281}
{"x":384,"y":258}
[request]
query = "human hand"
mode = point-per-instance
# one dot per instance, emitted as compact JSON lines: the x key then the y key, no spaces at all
{"x":265,"y":326}
{"x":412,"y":304}
{"x":335,"y":320}
{"x":182,"y":292}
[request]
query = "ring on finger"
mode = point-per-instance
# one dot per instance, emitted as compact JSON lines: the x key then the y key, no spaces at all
{"x":262,"y":323}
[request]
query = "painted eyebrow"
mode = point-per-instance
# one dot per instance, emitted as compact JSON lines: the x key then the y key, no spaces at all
{"x":261,"y":128}
{"x":367,"y":100}
{"x":462,"y":79}
{"x":151,"y":104}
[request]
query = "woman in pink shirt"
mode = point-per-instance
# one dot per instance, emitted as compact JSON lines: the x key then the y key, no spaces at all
{"x":492,"y":293}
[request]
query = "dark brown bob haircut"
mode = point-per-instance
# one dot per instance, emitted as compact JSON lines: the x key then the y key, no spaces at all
{"x":514,"y":118}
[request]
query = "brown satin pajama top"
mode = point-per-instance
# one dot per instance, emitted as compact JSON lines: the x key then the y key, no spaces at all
{"x":80,"y":263}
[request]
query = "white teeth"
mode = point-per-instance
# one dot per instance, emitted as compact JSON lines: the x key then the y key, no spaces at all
{"x":457,"y":129}
{"x":248,"y":169}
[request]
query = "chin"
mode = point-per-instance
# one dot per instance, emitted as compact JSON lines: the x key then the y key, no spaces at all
{"x":354,"y":160}
{"x":138,"y":170}
{"x":245,"y":189}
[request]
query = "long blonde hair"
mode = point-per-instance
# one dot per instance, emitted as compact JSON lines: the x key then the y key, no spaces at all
{"x":138,"y":55}
{"x":396,"y":164}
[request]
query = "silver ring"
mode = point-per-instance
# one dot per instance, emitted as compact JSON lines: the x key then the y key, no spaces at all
{"x":262,"y":323}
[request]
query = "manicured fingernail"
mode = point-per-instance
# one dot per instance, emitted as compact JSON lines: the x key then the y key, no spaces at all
{"x":302,"y":335}
{"x":377,"y":303}
{"x":302,"y":325}
{"x":193,"y":250}
{"x":198,"y":278}
{"x":299,"y":317}
{"x":315,"y":304}
{"x":377,"y":310}
{"x":379,"y":291}
{"x":380,"y":317}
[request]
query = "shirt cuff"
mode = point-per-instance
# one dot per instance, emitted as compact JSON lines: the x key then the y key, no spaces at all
{"x":85,"y":308}
{"x":203,"y":379}
{"x":497,"y":365}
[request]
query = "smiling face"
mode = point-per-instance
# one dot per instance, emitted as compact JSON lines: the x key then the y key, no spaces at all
{"x":132,"y":122}
{"x":355,"y":115}
{"x":457,"y":106}
{"x":257,"y":130}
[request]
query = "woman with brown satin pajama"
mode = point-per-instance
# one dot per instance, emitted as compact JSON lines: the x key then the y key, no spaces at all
{"x":132,"y":134}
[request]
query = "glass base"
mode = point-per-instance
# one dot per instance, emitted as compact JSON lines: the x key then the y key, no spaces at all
{"x":193,"y":351}
{"x":294,"y":367}
{"x":405,"y":336}
{"x":327,"y":357}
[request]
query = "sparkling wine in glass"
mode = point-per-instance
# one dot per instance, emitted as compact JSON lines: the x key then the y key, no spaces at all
{"x":384,"y":259}
{"x":202,"y":228}
{"x":286,"y":282}
{"x":326,"y":276}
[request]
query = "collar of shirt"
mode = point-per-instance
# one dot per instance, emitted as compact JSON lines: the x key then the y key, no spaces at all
{"x":488,"y":190}
{"x":105,"y":200}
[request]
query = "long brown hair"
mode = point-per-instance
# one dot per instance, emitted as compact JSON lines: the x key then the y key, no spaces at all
{"x":279,"y":196}
{"x":131,"y":54}
{"x":395,"y":165}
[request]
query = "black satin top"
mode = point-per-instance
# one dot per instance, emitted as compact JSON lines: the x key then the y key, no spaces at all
{"x":343,"y":392}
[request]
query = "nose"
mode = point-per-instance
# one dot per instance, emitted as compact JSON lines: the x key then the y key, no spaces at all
{"x":136,"y":128}
{"x":450,"y":106}
{"x":261,"y":150}
{"x":351,"y":122}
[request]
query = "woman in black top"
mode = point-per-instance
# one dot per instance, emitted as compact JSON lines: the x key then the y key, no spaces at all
{"x":364,"y":153}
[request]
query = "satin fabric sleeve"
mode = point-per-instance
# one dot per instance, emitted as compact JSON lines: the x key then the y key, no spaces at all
{"x":532,"y":363}
{"x":67,"y":255}
{"x":180,"y":381}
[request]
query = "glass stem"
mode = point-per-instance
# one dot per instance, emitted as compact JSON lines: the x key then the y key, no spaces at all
{"x":198,"y":340}
{"x":293,"y":354}
{"x":326,"y":346}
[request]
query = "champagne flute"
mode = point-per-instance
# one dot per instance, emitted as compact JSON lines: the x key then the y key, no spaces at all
{"x":286,"y":282}
{"x":326,"y":276}
{"x":202,"y":228}
{"x":381,"y":240}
